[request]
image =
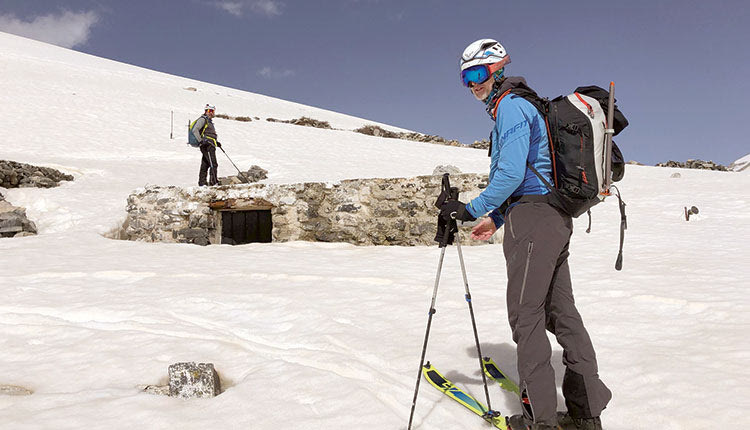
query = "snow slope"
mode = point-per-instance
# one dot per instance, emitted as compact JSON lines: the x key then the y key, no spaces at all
{"x":325,"y":336}
{"x":741,"y":164}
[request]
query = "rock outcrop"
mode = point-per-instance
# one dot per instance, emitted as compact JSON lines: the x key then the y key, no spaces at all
{"x":20,"y":175}
{"x":251,"y":175}
{"x":13,"y":220}
{"x":694,"y":164}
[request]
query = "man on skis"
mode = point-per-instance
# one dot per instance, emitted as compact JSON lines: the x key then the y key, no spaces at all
{"x":537,"y":236}
{"x":204,"y":131}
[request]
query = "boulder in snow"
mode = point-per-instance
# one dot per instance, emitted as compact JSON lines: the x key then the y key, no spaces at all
{"x":452,"y":170}
{"x":191,"y":380}
{"x":13,"y":221}
{"x":253,"y":174}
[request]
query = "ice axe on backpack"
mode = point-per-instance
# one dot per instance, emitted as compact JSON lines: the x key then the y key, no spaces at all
{"x":241,"y":175}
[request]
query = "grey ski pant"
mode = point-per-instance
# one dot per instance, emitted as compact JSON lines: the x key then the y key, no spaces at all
{"x":539,"y":297}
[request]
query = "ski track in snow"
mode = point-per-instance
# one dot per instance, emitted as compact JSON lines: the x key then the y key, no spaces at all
{"x":316,"y":335}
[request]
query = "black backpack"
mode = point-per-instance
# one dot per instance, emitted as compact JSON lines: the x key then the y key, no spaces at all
{"x":576,"y":126}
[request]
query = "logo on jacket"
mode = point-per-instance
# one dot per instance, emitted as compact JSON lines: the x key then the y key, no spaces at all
{"x":514,"y":129}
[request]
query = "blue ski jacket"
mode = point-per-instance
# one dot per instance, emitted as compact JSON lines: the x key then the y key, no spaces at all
{"x":519,"y":136}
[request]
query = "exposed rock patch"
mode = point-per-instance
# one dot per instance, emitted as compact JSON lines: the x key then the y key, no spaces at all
{"x":374,"y":130}
{"x":13,"y":221}
{"x":253,"y":174}
{"x":694,"y":164}
{"x":20,"y":175}
{"x":14,"y":390}
{"x":304,"y":121}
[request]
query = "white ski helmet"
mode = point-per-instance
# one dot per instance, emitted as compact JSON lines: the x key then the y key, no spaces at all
{"x":209,"y":107}
{"x":484,"y":51}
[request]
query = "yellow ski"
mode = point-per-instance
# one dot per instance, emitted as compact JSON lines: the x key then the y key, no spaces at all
{"x":493,"y":371}
{"x":438,"y":381}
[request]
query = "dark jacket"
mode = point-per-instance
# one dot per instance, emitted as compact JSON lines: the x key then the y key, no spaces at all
{"x":209,"y":133}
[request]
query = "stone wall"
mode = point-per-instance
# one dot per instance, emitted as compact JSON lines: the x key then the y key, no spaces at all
{"x":396,"y":211}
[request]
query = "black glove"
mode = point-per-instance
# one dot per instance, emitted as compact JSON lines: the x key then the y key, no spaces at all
{"x":455,"y":209}
{"x":445,"y":232}
{"x":218,"y":144}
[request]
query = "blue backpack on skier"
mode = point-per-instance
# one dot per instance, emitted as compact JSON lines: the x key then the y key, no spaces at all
{"x":192,"y":141}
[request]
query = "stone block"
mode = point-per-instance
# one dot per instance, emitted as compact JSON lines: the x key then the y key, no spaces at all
{"x":348,"y":208}
{"x":190,"y":233}
{"x":193,"y":380}
{"x":11,"y":229}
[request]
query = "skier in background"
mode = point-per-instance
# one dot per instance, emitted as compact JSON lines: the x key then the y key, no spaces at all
{"x":537,"y":236}
{"x":205,"y":133}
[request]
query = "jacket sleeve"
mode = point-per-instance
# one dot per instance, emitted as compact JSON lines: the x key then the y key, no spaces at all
{"x":512,"y":145}
{"x":497,"y":218}
{"x":197,"y":127}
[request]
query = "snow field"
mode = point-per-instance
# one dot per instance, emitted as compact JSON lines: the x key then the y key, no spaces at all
{"x":315,"y":335}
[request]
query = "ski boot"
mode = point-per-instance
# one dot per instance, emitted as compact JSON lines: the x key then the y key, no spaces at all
{"x":569,"y":423}
{"x":518,"y":422}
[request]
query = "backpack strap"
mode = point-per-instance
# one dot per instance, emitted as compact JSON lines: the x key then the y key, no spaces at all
{"x":549,"y":186}
{"x":497,"y":103}
{"x":205,"y":125}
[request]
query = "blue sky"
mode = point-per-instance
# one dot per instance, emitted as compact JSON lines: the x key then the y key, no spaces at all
{"x":680,"y":67}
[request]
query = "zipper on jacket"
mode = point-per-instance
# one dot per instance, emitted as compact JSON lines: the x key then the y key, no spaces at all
{"x":526,"y":271}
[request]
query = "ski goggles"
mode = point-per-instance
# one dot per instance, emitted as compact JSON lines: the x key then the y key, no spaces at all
{"x":479,"y":74}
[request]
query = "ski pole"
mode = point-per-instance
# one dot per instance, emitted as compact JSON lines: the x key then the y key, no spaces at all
{"x":427,"y":332}
{"x":447,"y":237}
{"x":246,"y":180}
{"x":490,"y":412}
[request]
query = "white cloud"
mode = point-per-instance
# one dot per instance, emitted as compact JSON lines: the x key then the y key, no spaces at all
{"x":269,"y":73}
{"x":233,"y":7}
{"x":268,"y":7}
{"x":237,"y":7}
{"x":66,"y":29}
